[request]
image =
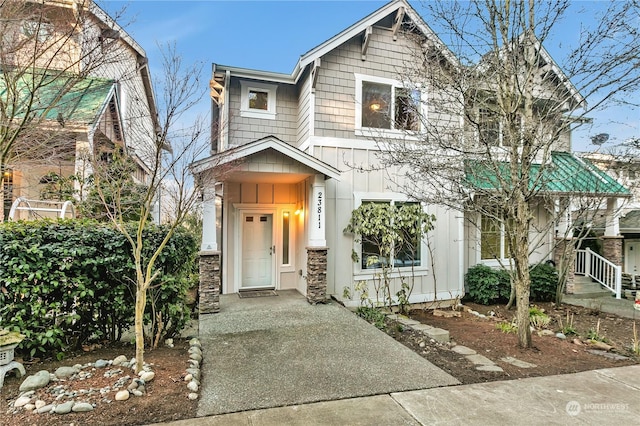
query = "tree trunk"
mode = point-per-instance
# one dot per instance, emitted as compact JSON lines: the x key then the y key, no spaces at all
{"x":522,"y":316}
{"x":141,"y":296}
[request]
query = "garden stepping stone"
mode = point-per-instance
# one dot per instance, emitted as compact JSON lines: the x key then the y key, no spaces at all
{"x":493,"y":368}
{"x":606,"y":354}
{"x":518,"y":363}
{"x":407,"y":321}
{"x":480,"y":359}
{"x":463,"y":350}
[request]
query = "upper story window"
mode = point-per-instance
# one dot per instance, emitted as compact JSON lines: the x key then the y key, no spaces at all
{"x":493,"y":131}
{"x":37,"y":29}
{"x":258,"y":100}
{"x":386,"y":105}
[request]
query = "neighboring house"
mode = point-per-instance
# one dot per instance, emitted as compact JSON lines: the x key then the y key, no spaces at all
{"x":624,"y":167}
{"x":87,"y":93}
{"x":292,"y":150}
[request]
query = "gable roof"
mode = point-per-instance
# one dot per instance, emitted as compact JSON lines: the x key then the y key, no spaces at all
{"x":270,"y":142}
{"x":566,"y":174}
{"x":354,"y":30}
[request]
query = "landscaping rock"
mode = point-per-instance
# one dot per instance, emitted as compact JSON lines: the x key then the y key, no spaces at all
{"x":123,"y":395}
{"x":192,"y":386}
{"x":147,"y":376}
{"x":63,"y":408}
{"x":561,"y":336}
{"x":546,"y":333}
{"x":101,"y":363}
{"x":193,"y":396}
{"x":64,"y":372}
{"x":120,"y":360}
{"x":44,"y":409}
{"x":36,"y":381}
{"x":81,"y":407}
{"x":40,"y":403}
{"x":22,"y":401}
{"x":600,"y":345}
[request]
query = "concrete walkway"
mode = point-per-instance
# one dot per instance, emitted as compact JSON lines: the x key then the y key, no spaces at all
{"x":610,"y":396}
{"x":280,"y":351}
{"x":605,"y":303}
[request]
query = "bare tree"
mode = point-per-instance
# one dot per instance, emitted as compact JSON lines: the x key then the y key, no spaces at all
{"x":176,"y":146}
{"x":497,"y":119}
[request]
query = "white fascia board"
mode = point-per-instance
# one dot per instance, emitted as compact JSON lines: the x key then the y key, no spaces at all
{"x":261,"y":145}
{"x":257,"y":74}
{"x":104,"y":17}
{"x":580,"y":100}
{"x":336,"y":41}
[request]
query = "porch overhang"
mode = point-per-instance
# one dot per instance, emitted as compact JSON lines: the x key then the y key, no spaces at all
{"x":235,"y":163}
{"x":564,"y":175}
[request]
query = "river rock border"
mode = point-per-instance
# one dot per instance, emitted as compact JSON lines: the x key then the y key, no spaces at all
{"x":192,"y":373}
{"x":62,"y":400}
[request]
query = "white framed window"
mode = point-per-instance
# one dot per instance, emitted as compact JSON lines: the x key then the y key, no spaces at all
{"x":407,"y":255}
{"x":493,"y":239}
{"x":258,"y":100}
{"x":386,"y":105}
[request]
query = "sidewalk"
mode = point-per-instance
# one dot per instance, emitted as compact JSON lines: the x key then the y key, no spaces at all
{"x":609,"y":396}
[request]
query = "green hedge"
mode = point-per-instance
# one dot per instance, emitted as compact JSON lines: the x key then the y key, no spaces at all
{"x":65,"y":283}
{"x":487,"y":286}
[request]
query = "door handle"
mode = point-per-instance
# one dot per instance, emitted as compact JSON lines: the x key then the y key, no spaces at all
{"x":272,"y":250}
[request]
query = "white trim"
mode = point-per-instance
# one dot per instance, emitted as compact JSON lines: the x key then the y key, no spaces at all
{"x":269,"y":89}
{"x":242,"y":211}
{"x":396,"y":271}
{"x":255,"y":147}
{"x":416,"y":298}
{"x":372,"y":132}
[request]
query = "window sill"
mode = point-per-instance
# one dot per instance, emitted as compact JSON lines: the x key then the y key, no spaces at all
{"x":369,"y":274}
{"x":371,"y":132}
{"x":266,"y":115}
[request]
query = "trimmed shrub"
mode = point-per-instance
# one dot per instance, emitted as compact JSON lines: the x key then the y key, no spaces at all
{"x":544,"y":281}
{"x":68,"y":282}
{"x":488,"y":286}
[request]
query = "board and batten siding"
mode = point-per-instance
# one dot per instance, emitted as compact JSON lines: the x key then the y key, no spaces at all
{"x":304,"y":109}
{"x":243,"y":130}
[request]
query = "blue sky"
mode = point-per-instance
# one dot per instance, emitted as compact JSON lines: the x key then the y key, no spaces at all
{"x":271,"y":35}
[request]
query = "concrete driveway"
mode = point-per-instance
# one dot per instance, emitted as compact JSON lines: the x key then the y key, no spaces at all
{"x":276,"y":351}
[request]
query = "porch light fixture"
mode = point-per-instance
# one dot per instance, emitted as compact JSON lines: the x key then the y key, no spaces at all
{"x":298,"y":209}
{"x":375,"y":106}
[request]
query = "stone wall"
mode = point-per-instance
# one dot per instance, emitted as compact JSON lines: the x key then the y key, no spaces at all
{"x":316,"y":275}
{"x":209,"y":296}
{"x":559,"y":252}
{"x":612,"y":249}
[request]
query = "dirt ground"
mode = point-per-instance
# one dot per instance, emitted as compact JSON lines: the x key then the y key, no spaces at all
{"x":550,"y":354}
{"x":165,"y":399}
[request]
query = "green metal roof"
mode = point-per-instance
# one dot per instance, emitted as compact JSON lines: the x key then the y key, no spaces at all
{"x":565,"y":174}
{"x":75,"y":99}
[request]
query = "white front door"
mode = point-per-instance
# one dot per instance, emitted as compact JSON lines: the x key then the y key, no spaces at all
{"x":632,"y":257}
{"x":257,"y":250}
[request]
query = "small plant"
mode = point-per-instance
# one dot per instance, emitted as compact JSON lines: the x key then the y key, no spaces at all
{"x":594,"y":334}
{"x":507,"y":327}
{"x":346,"y":293}
{"x":403,"y":298}
{"x":538,"y":318}
{"x":372,"y":315}
{"x":568,"y":328}
{"x":635,"y":343}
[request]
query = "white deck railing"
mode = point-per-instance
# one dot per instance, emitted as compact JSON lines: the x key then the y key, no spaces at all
{"x":598,"y":268}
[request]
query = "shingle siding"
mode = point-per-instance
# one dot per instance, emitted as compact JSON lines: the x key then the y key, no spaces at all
{"x":243,"y":130}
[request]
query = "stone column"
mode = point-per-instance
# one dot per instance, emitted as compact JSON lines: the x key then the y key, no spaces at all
{"x":316,"y":274}
{"x":612,"y":249}
{"x":209,"y":295}
{"x":559,"y":255}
